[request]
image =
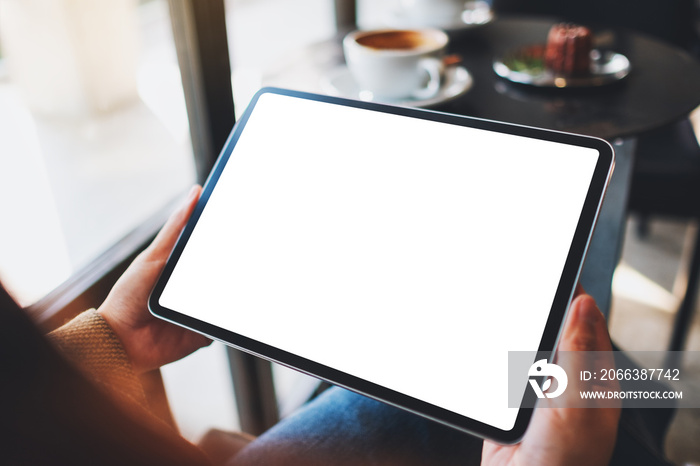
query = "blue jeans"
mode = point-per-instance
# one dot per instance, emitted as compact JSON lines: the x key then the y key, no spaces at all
{"x":343,"y":428}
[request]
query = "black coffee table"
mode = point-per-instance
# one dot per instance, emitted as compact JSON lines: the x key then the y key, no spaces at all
{"x":663,"y":85}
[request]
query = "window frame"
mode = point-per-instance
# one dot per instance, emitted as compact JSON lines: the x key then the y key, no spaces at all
{"x":199,"y":31}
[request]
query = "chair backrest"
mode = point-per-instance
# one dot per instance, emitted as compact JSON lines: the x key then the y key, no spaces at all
{"x":673,"y":21}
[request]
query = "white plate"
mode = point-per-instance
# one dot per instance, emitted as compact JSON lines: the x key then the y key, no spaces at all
{"x":476,"y":13}
{"x":340,"y":83}
{"x":525,"y":66}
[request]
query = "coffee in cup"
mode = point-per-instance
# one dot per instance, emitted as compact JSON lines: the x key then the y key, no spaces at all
{"x":396,"y":64}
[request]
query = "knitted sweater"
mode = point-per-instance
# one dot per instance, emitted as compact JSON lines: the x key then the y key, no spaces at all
{"x":92,"y":346}
{"x":89,"y":343}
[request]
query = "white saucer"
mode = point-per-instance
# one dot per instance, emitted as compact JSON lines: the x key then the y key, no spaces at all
{"x":476,"y":13}
{"x":340,"y":83}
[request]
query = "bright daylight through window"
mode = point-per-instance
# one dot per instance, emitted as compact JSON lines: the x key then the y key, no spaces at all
{"x":94,"y":134}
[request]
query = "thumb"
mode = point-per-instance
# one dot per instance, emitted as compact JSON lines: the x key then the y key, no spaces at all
{"x":585,"y":346}
{"x":167,"y":237}
{"x":586,"y":328}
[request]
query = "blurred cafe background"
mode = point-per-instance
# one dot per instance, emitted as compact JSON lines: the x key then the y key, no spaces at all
{"x":110,"y":110}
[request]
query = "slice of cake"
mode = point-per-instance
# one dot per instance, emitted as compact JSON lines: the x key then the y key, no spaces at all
{"x":568,"y":50}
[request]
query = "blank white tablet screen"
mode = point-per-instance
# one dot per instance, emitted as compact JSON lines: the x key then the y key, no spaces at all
{"x":410,"y":253}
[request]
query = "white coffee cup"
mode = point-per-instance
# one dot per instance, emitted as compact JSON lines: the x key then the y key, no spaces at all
{"x":396,"y":64}
{"x":433,"y":11}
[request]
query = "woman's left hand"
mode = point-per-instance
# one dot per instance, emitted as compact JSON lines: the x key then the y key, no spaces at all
{"x":150,"y":342}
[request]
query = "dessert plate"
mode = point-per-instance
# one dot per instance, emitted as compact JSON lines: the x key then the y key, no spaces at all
{"x":340,"y":83}
{"x":526,"y":66}
{"x":476,"y":13}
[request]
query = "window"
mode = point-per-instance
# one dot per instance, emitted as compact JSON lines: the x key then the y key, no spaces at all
{"x":268,"y":39}
{"x":94,"y":135}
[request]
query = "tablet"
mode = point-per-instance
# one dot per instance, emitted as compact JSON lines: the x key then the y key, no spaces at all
{"x":400,"y":253}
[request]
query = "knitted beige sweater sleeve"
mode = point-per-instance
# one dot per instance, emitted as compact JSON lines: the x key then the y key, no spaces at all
{"x":89,"y":343}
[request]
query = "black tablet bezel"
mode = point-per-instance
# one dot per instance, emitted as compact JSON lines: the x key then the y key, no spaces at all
{"x":557,"y":313}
